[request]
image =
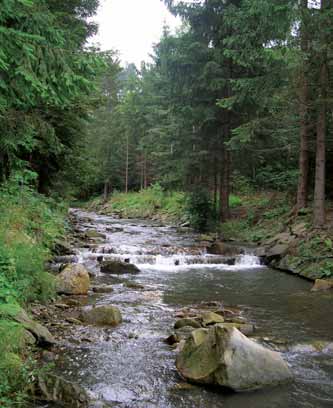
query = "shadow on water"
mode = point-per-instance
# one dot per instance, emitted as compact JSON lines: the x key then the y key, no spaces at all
{"x":130,"y":366}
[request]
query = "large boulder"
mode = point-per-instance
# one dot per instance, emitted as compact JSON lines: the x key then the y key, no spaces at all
{"x":118,"y":267}
{"x":225,"y":357}
{"x":73,"y":280}
{"x":102,"y":316}
{"x":322,"y":284}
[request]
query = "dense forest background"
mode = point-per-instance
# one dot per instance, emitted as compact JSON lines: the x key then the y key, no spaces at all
{"x":239,"y":96}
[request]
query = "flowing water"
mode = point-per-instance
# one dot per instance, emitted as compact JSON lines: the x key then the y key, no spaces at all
{"x":131,"y":366}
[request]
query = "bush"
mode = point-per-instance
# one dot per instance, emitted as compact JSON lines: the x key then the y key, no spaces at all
{"x":199,"y":210}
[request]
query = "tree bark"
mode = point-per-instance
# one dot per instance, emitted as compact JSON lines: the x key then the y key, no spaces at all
{"x":225,"y":186}
{"x":127,"y":162}
{"x":319,"y":192}
{"x":302,"y":190}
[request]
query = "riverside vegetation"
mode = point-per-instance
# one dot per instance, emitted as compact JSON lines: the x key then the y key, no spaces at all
{"x":30,"y":226}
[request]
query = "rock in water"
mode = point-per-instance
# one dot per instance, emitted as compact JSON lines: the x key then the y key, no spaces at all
{"x":118,"y":267}
{"x":209,"y":318}
{"x":187,"y":322}
{"x":55,"y":389}
{"x":225,"y":357}
{"x":322,"y":284}
{"x":73,"y":280}
{"x":102,"y":315}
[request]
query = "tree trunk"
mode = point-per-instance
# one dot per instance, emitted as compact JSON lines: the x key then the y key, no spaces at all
{"x":225,"y":186}
{"x":319,"y":193}
{"x":127,"y":160}
{"x":302,"y":190}
{"x":145,"y":177}
{"x":107,"y":190}
{"x":215,"y":186}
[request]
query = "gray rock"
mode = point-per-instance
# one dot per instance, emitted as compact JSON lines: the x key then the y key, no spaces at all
{"x":186,"y":322}
{"x":41,"y":334}
{"x":73,"y":280}
{"x":225,"y":357}
{"x":55,"y":389}
{"x":118,"y":267}
{"x":102,"y":289}
{"x":102,"y":315}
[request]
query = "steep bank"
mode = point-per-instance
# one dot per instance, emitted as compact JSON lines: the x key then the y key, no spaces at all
{"x":285,"y":241}
{"x":30,"y":229}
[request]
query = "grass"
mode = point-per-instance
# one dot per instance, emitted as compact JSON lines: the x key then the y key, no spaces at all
{"x":148,"y":203}
{"x":29,"y":225}
{"x":256,"y":216}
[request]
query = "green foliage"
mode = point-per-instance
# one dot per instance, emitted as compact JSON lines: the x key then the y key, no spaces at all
{"x":46,"y":79}
{"x":234,"y":201}
{"x":29,"y":225}
{"x":199,"y":210}
{"x":153,"y":201}
{"x":327,"y":269}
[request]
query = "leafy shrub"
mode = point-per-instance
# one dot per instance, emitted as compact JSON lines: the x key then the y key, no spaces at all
{"x":234,"y":201}
{"x":199,"y":209}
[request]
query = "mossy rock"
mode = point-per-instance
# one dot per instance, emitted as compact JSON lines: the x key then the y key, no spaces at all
{"x":118,"y":267}
{"x":102,"y":316}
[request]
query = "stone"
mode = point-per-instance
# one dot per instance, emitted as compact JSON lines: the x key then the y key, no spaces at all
{"x":322,"y":284}
{"x":277,"y":251}
{"x":186,"y":322}
{"x":172,"y":339}
{"x":133,"y":285}
{"x":73,"y":280}
{"x":55,"y":389}
{"x":223,"y":248}
{"x":209,"y":318}
{"x":246,"y":329}
{"x":41,"y":334}
{"x":102,"y":289}
{"x":224,"y":357}
{"x":62,"y":247}
{"x":94,"y":234}
{"x":102,"y":316}
{"x":118,"y":267}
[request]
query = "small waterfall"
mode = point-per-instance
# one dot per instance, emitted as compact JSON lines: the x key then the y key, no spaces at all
{"x":248,"y":261}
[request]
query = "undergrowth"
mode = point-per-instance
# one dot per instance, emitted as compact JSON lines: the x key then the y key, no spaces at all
{"x":29,"y":224}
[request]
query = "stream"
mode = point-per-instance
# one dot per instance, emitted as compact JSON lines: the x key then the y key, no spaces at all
{"x":130,"y":365}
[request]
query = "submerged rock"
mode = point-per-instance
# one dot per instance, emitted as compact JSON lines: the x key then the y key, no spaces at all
{"x":73,"y":280}
{"x":94,"y":234}
{"x":322,"y":284}
{"x":102,"y":289}
{"x":225,"y":357}
{"x":102,"y":315}
{"x":118,"y":267}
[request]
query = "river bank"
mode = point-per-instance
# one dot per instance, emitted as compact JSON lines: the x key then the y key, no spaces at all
{"x":130,"y":365}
